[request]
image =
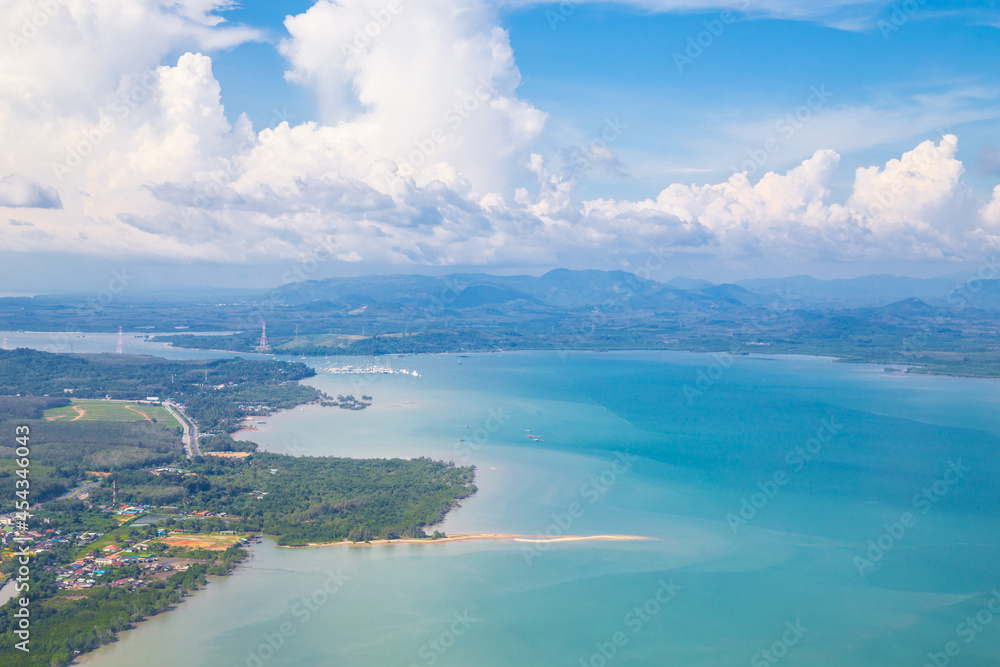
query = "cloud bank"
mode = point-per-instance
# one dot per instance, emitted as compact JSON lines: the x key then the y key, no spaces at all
{"x":425,"y":155}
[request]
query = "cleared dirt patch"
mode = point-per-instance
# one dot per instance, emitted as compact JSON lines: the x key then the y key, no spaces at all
{"x":138,"y":412}
{"x":209,"y":542}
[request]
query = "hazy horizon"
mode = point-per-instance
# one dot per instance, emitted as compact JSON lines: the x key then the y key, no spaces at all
{"x":142,"y":279}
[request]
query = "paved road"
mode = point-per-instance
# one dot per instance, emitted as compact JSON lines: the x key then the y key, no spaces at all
{"x":75,"y":493}
{"x":190,"y":437}
{"x":194,"y":440}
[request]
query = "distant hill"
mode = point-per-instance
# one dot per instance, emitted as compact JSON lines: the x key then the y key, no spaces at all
{"x":867,"y":291}
{"x":680,"y":282}
{"x":937,"y":325}
{"x":560,"y":288}
{"x":619,"y":291}
{"x":983,"y":294}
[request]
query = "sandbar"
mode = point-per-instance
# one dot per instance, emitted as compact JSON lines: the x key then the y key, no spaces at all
{"x":495,"y":537}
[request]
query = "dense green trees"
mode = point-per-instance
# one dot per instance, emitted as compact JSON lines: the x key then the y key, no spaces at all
{"x":60,"y":625}
{"x":331,"y":499}
{"x":30,"y":407}
{"x":31,"y":372}
{"x":62,"y":451}
{"x":308,"y":499}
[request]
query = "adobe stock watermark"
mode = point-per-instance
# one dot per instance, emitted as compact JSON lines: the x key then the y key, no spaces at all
{"x":582,"y":158}
{"x":321,"y":251}
{"x":34,"y":22}
{"x":442,"y":301}
{"x":958,"y":299}
{"x":593,"y":490}
{"x":480,"y":436}
{"x":364,"y":36}
{"x":469,"y":102}
{"x":94,"y":306}
{"x":796,"y":460}
{"x":773,"y":654}
{"x":902,"y":13}
{"x":785,"y":128}
{"x":433,"y":650}
{"x":896,"y":531}
{"x":710,"y":374}
{"x":635,"y":620}
{"x":887,"y":197}
{"x":303,"y":609}
{"x":207,"y":190}
{"x":291,"y":448}
{"x":116,"y":111}
{"x":714,"y":29}
{"x":707,"y":376}
{"x":566,"y":9}
{"x":967,"y":632}
{"x":989,"y":269}
{"x":861,"y":220}
{"x":624,"y":290}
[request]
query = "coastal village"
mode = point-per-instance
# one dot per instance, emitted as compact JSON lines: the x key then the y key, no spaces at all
{"x":140,"y":561}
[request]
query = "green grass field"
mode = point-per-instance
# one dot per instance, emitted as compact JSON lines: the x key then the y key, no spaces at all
{"x":109,"y":411}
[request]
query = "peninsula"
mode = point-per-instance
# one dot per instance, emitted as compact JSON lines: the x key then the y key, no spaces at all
{"x":131,"y":509}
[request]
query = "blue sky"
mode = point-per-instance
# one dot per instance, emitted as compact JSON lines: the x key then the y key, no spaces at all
{"x":744,"y":137}
{"x":600,"y":61}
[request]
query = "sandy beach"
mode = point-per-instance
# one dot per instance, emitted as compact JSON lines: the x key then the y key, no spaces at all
{"x":471,"y":537}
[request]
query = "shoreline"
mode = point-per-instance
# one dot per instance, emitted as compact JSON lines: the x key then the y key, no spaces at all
{"x":913,"y":369}
{"x":94,"y":654}
{"x":477,"y":537}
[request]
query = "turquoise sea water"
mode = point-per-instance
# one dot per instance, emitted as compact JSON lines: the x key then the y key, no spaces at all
{"x":821,"y":458}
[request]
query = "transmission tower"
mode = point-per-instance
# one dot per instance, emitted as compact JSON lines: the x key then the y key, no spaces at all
{"x":263,"y":337}
{"x":121,"y":349}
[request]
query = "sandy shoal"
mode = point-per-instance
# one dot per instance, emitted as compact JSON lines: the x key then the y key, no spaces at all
{"x":495,"y":537}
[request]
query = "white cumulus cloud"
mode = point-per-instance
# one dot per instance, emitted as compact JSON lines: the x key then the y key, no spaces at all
{"x":425,"y":154}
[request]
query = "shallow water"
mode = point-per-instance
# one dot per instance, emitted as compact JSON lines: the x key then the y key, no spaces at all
{"x":627,"y":450}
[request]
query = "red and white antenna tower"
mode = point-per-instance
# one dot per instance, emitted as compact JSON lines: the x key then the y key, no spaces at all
{"x":5,"y":342}
{"x":121,"y":349}
{"x":263,"y":337}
